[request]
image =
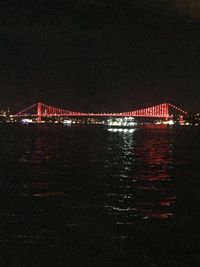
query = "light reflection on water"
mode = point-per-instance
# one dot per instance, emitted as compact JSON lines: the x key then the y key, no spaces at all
{"x":89,"y":189}
{"x":136,"y":173}
{"x":140,"y":177}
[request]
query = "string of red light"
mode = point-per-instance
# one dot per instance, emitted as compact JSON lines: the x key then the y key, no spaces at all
{"x":161,"y":110}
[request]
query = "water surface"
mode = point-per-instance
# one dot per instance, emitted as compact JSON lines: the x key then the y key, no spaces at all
{"x":85,"y":196}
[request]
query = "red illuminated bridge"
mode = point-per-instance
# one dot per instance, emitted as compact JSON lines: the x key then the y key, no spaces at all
{"x":40,"y":110}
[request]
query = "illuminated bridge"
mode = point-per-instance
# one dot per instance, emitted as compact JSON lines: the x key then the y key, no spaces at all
{"x":40,"y":110}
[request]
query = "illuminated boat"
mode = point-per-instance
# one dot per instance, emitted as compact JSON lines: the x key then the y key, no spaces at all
{"x":126,"y":122}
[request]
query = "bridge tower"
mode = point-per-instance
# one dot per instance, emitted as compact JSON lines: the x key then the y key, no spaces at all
{"x":39,"y":112}
{"x":166,"y":111}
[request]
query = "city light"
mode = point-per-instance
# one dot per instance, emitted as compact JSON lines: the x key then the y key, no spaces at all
{"x":67,"y":122}
{"x":170,"y":122}
{"x":125,"y":122}
{"x":120,"y":130}
{"x":26,"y":121}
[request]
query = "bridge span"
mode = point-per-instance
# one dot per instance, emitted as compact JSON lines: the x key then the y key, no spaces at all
{"x":40,"y":110}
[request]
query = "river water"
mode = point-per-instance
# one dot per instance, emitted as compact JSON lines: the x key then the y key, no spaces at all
{"x":86,"y":196}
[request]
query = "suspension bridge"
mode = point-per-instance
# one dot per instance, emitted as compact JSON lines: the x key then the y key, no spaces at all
{"x":40,"y":110}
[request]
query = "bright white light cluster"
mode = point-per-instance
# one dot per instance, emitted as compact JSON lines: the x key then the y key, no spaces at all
{"x":170,"y":122}
{"x":67,"y":122}
{"x":26,"y":120}
{"x":126,"y":121}
{"x":121,"y":130}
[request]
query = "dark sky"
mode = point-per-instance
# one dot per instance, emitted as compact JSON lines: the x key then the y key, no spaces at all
{"x":100,"y":55}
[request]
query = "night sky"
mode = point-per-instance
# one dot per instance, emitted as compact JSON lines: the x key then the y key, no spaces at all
{"x":100,"y":55}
